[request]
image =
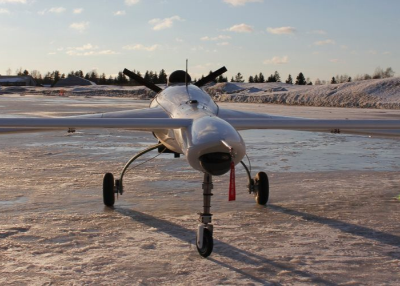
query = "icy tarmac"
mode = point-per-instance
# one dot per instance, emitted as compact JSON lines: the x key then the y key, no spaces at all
{"x":333,"y":215}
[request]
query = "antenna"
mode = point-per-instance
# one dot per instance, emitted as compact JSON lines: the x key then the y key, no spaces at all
{"x":186,"y":73}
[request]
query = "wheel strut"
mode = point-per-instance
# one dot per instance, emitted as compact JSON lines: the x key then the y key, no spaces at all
{"x":250,"y":183}
{"x":118,"y":183}
{"x":204,"y":240}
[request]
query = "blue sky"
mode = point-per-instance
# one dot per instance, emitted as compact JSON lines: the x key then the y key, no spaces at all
{"x":319,"y":38}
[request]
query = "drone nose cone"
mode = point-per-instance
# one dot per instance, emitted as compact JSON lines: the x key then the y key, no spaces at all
{"x":216,"y":164}
{"x":207,"y":152}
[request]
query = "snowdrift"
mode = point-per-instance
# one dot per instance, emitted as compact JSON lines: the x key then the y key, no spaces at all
{"x":378,"y":93}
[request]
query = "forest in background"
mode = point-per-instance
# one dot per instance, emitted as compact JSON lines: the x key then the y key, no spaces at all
{"x":50,"y":78}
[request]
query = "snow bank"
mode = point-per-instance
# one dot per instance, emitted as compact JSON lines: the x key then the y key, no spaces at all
{"x":379,"y":93}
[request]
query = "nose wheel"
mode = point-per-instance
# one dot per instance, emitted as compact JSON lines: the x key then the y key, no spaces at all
{"x":206,"y":244}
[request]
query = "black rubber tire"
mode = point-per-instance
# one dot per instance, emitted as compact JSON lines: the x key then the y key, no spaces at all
{"x":108,"y":190}
{"x":262,"y":185}
{"x":208,"y":244}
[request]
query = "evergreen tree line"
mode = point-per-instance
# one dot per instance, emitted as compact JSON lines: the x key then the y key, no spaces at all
{"x":50,"y":78}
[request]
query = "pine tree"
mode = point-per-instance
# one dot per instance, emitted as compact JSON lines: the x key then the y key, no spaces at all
{"x":221,"y":78}
{"x":162,"y":77}
{"x":289,"y":80}
{"x":121,"y":78}
{"x":271,"y":78}
{"x":261,"y":77}
{"x":239,"y":77}
{"x":256,"y":79}
{"x":251,"y":79}
{"x":102,"y":79}
{"x":155,"y":78}
{"x":277,"y":77}
{"x":232,"y":79}
{"x":147,"y":76}
{"x":300,"y":79}
{"x":56,"y":77}
{"x":333,"y":81}
{"x":94,"y":76}
{"x":110,"y":80}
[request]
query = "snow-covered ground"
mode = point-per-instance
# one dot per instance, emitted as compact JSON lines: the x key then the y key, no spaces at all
{"x":333,"y":216}
{"x":376,"y":93}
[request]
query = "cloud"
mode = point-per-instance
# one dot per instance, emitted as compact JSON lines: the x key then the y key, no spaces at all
{"x":131,"y":2}
{"x":87,"y":50}
{"x":13,"y":1}
{"x":277,"y":61}
{"x":80,"y":26}
{"x":240,"y":28}
{"x":241,"y":2}
{"x":386,"y":53}
{"x":57,"y":10}
{"x":140,"y":47}
{"x":4,"y":11}
{"x":119,"y":13}
{"x":326,"y":42}
{"x":318,"y":32}
{"x":223,"y":44}
{"x":179,"y":40}
{"x":372,"y":52}
{"x":336,"y":61}
{"x":160,"y":24}
{"x":344,"y":47}
{"x":220,"y":37}
{"x":78,"y":10}
{"x":85,"y":47}
{"x":54,"y":10}
{"x":281,"y":30}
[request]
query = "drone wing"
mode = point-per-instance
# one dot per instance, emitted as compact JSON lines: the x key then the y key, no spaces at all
{"x":149,"y":119}
{"x":249,"y":120}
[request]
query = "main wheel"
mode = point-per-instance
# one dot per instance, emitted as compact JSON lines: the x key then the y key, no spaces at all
{"x":262,"y":188}
{"x":208,"y":244}
{"x":108,"y":190}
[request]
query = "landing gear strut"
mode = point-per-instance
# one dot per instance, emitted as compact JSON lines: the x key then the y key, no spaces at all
{"x":259,"y":186}
{"x":110,"y":188}
{"x":204,"y":239}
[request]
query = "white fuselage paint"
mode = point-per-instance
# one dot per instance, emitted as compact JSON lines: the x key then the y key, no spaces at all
{"x":205,"y":134}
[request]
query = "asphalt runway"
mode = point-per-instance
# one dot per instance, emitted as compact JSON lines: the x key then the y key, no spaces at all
{"x":332,"y":219}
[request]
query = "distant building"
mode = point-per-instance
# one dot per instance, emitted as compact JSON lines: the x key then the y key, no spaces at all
{"x":17,"y":80}
{"x":73,"y":81}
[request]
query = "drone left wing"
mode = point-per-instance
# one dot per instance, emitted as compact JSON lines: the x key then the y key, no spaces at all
{"x":140,"y":119}
{"x":149,"y":124}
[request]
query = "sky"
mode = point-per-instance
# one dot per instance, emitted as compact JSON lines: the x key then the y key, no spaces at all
{"x":317,"y":37}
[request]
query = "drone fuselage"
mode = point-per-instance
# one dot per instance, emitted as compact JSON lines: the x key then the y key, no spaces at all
{"x":209,"y":143}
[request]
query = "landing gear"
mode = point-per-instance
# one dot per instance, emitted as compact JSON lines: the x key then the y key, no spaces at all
{"x":108,"y":190}
{"x":259,"y":186}
{"x":262,"y":186}
{"x":111,"y":187}
{"x":204,"y":239}
{"x":208,"y":243}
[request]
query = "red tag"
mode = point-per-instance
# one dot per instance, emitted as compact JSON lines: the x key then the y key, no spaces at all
{"x":232,"y":188}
